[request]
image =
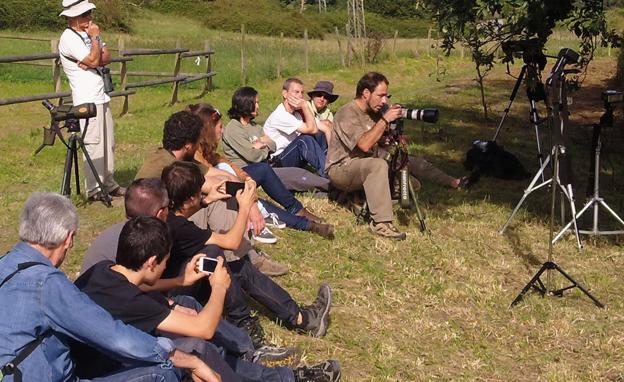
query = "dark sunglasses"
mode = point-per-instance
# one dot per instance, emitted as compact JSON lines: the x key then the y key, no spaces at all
{"x":322,"y":95}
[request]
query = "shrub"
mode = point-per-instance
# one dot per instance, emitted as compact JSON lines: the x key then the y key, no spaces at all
{"x":43,"y":14}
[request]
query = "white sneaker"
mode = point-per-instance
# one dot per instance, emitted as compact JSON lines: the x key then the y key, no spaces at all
{"x":266,"y":237}
{"x":274,"y":222}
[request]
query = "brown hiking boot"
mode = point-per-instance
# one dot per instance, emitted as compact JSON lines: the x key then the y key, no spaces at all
{"x":322,"y":229}
{"x":386,"y":229}
{"x":309,"y":215}
{"x":268,"y":266}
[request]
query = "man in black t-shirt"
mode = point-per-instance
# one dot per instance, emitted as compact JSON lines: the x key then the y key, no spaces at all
{"x":142,"y":254}
{"x":183,"y":181}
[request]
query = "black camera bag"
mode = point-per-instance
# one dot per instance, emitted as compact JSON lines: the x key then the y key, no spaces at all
{"x":489,"y":159}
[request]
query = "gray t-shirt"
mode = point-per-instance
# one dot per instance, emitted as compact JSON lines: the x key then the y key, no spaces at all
{"x":104,"y":247}
{"x":350,"y":123}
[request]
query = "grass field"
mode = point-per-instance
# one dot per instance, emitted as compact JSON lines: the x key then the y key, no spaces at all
{"x":435,"y":307}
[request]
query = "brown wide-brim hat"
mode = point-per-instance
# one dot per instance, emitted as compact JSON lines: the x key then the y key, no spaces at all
{"x":325,"y":87}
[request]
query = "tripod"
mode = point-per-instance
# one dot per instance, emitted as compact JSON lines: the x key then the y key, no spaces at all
{"x":74,"y":143}
{"x":536,"y":281}
{"x":535,"y":92}
{"x":398,"y":159}
{"x":557,"y":111}
{"x":596,"y":201}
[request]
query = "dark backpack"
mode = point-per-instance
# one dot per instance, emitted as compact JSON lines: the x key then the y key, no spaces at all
{"x":489,"y":159}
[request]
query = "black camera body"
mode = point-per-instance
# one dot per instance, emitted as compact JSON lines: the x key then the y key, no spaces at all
{"x":530,"y":50}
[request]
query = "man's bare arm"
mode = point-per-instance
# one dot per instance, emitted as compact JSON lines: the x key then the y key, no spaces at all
{"x":371,"y":137}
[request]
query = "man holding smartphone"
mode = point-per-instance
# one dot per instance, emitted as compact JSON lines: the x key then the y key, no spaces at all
{"x":83,"y":53}
{"x":142,"y":255}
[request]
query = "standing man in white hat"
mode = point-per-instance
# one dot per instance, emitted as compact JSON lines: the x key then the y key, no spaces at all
{"x":83,"y":54}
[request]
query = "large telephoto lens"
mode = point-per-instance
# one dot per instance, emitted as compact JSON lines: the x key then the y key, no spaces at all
{"x":425,"y":115}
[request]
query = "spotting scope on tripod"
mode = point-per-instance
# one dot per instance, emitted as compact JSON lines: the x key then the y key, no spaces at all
{"x":71,"y":116}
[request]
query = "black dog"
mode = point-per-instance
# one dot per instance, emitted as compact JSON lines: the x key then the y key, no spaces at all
{"x":489,"y":159}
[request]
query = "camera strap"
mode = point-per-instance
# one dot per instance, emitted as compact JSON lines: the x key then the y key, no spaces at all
{"x":10,"y":368}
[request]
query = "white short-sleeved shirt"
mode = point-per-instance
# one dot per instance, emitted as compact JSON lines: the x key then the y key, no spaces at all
{"x":281,"y":127}
{"x":86,"y":85}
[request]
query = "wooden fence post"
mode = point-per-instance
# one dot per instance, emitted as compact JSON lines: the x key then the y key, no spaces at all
{"x":243,"y":71}
{"x":123,"y":74}
{"x":394,"y":41}
{"x":306,"y":50}
{"x":56,"y":66}
{"x":342,"y":60}
{"x":279,"y":58}
{"x":176,"y":84}
{"x":349,"y":46}
{"x":429,"y":42}
{"x":209,"y":85}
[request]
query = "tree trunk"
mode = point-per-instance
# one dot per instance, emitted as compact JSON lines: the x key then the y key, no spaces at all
{"x":480,"y":78}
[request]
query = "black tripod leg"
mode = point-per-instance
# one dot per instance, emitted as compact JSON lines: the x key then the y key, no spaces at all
{"x":67,"y":168}
{"x":419,"y":214}
{"x":76,"y":169}
{"x":535,"y":283}
{"x":105,"y":196}
{"x":559,"y":292}
{"x":511,"y":99}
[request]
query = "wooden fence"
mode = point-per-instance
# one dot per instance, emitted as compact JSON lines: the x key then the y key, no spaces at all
{"x":124,"y":57}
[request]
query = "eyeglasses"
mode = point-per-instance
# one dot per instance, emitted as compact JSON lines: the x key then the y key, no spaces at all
{"x":86,"y":14}
{"x":216,"y":114}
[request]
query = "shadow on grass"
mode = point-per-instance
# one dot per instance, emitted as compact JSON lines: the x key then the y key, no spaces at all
{"x":126,"y":175}
{"x":521,"y":249}
{"x":446,"y":146}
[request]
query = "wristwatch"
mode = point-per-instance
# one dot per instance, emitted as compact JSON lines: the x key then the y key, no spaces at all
{"x":100,"y":41}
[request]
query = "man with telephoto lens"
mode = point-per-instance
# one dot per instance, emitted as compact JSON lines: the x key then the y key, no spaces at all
{"x":354,"y":161}
{"x":84,"y":54}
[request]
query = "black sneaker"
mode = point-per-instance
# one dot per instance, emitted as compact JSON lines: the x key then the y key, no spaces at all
{"x":253,"y":328}
{"x":271,"y":356}
{"x":316,"y":316}
{"x":328,"y":371}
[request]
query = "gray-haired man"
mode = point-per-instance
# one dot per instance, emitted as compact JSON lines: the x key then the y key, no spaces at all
{"x":52,"y":310}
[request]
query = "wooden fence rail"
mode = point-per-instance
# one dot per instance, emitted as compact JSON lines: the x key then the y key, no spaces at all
{"x":125,"y":56}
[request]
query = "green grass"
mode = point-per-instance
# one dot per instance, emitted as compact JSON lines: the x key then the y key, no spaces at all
{"x":432,"y":307}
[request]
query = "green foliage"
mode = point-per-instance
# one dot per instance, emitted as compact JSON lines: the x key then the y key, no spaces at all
{"x":44,"y":14}
{"x":486,"y":25}
{"x":396,"y":8}
{"x":272,"y":17}
{"x":25,"y":15}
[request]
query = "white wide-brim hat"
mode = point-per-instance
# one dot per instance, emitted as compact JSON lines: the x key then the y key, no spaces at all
{"x":73,"y":8}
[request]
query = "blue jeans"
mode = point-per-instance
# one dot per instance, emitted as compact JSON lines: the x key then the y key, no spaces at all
{"x":265,"y":177}
{"x":303,"y":149}
{"x":321,"y":140}
{"x":232,"y":342}
{"x":246,"y":281}
{"x":249,"y":281}
{"x":141,"y":374}
{"x":291,"y":220}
